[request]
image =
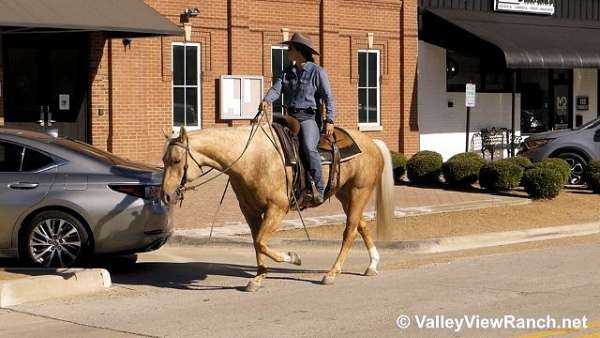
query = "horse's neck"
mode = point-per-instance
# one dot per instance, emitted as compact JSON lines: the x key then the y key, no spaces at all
{"x":223,"y":146}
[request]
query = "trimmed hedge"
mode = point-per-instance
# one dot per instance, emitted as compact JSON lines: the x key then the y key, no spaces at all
{"x":424,"y":167}
{"x":399,"y":164}
{"x":593,"y":182}
{"x":521,"y":161}
{"x":591,"y":176}
{"x":543,"y":182}
{"x":556,"y":164}
{"x":559,"y":164}
{"x":500,"y":176}
{"x":591,"y":169}
{"x":462,"y":170}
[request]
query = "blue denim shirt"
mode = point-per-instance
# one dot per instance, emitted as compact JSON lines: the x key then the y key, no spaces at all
{"x":303,"y":92}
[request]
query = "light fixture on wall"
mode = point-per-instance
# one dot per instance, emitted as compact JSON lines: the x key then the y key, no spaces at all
{"x":191,"y":12}
{"x":285,"y":33}
{"x":370,"y":40}
{"x":127,"y":42}
{"x":185,"y":19}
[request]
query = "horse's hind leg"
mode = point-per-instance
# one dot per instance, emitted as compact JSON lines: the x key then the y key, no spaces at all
{"x":363,"y":230}
{"x":269,"y":224}
{"x":357,"y":200}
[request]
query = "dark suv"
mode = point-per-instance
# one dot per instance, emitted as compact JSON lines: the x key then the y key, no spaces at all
{"x":576,"y":146}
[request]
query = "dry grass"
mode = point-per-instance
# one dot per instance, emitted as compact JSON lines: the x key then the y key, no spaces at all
{"x":571,"y":207}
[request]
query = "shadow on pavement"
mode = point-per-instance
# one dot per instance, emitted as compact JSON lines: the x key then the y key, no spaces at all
{"x":186,"y":276}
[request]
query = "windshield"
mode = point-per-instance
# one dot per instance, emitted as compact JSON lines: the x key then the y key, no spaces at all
{"x":591,"y":124}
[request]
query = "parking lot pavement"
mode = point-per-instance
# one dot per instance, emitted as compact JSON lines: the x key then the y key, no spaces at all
{"x":195,"y":292}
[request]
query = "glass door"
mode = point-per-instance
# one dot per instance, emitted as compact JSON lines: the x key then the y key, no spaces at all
{"x":561,"y":93}
{"x":46,"y":83}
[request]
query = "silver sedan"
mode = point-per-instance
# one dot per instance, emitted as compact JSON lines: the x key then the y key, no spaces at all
{"x":61,"y":200}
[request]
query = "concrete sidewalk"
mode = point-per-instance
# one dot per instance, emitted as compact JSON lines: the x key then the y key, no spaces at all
{"x":199,"y":207}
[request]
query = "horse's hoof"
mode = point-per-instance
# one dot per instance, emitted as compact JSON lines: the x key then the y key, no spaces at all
{"x":252,"y":286}
{"x":371,"y":272}
{"x":295,"y":259}
{"x":328,"y":280}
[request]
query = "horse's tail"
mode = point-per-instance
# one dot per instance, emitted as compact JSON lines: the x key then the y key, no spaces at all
{"x":384,"y":196}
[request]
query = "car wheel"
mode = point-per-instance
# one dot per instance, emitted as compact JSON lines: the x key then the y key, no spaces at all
{"x":53,"y":239}
{"x":577,"y":164}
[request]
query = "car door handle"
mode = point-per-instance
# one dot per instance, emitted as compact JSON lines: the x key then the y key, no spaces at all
{"x":23,"y":186}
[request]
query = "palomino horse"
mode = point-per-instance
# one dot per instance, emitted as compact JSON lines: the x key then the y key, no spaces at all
{"x":258,"y":178}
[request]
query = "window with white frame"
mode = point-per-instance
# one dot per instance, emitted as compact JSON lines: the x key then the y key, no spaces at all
{"x":186,"y":85}
{"x":368,"y":88}
{"x":279,"y":62}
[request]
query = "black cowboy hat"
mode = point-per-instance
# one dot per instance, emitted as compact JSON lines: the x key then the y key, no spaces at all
{"x":301,"y":39}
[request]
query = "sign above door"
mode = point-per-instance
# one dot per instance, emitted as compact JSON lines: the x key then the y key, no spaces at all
{"x":545,"y":7}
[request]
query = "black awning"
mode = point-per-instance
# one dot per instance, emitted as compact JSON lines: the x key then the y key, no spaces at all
{"x":526,"y":41}
{"x":120,"y":16}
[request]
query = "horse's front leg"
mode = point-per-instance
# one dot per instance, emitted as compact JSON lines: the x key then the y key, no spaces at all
{"x":358,"y":199}
{"x":270,"y":223}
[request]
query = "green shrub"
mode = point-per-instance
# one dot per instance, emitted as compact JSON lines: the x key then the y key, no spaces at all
{"x":399,"y":165}
{"x":593,"y":167}
{"x":593,"y":182}
{"x":500,"y":175}
{"x":424,"y":167}
{"x":560,"y":165}
{"x":556,"y":164}
{"x":543,"y":182}
{"x":462,"y":170}
{"x":521,"y":161}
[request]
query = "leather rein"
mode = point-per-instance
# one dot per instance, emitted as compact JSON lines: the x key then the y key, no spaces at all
{"x":181,"y":189}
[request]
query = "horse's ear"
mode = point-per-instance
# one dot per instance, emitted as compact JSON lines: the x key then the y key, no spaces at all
{"x":167,"y":136}
{"x":183,"y":134}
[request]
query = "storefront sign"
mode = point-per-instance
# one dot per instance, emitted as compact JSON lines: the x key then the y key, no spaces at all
{"x":583,"y":103}
{"x":470,"y":95}
{"x":546,"y":7}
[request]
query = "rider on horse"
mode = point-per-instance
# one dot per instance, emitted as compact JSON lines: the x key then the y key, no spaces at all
{"x":304,"y":85}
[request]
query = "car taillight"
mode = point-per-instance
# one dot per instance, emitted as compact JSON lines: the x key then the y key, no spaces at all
{"x":138,"y":190}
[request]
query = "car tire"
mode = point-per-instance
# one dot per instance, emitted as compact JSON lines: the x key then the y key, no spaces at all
{"x":53,"y":239}
{"x":577,"y":164}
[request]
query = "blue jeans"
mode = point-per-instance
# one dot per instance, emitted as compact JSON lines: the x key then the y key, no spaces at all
{"x":309,"y":141}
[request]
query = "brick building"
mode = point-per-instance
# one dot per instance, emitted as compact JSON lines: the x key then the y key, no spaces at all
{"x":137,"y":83}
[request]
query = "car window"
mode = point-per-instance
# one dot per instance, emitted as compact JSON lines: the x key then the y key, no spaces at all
{"x":34,"y":160}
{"x":591,"y":124}
{"x":10,"y":157}
{"x":91,"y":151}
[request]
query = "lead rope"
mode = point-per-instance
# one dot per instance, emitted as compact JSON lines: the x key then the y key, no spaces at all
{"x":212,"y":222}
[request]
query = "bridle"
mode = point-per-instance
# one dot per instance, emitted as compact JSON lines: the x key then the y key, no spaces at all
{"x":181,"y":189}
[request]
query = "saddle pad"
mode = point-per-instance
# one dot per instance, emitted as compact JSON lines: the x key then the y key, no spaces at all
{"x":345,"y":143}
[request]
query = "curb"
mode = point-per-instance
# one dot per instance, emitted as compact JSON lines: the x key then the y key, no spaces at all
{"x":44,"y":284}
{"x":429,"y":246}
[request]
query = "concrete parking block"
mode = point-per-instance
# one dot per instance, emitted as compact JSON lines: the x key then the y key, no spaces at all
{"x":43,"y":284}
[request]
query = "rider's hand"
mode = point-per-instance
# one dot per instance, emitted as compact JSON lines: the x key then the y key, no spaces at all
{"x":263,"y":106}
{"x":328,"y":129}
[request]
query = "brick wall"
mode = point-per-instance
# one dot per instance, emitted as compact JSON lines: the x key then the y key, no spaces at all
{"x":131,"y":86}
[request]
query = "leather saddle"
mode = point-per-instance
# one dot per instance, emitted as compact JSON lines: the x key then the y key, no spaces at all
{"x":334,"y":150}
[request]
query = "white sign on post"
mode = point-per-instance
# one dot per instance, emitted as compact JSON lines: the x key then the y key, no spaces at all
{"x":470,"y":95}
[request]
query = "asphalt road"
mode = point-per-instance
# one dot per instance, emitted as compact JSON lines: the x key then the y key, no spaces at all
{"x":195,"y":292}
